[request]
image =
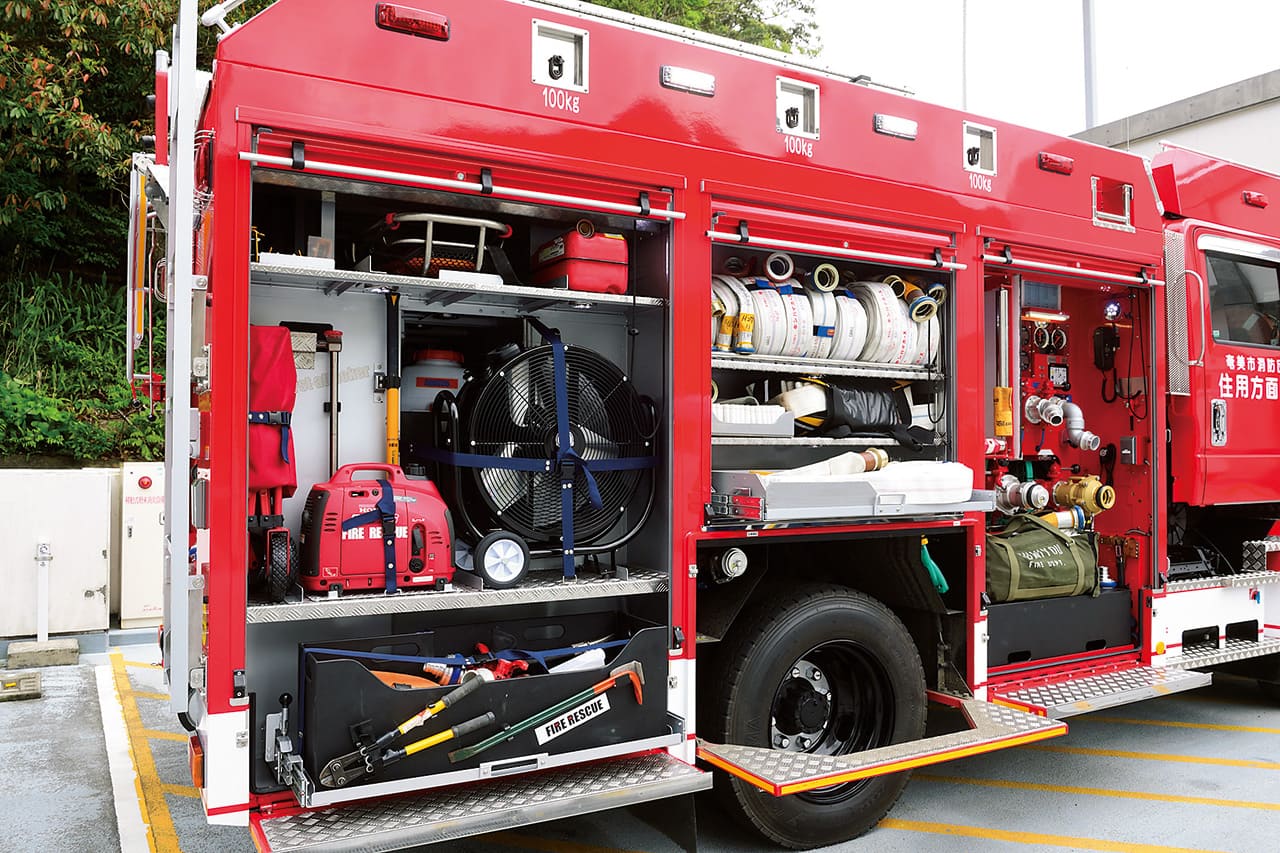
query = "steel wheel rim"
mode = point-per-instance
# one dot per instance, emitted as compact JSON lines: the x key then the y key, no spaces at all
{"x":503,"y":561}
{"x":834,"y":699}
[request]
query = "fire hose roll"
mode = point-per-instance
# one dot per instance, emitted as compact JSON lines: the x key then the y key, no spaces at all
{"x":920,"y":306}
{"x":799,"y":334}
{"x":724,"y":316}
{"x":928,"y":337}
{"x":851,"y":327}
{"x":779,"y":267}
{"x":824,"y":277}
{"x":771,"y":325}
{"x":744,"y":335}
{"x":891,"y":334}
{"x":822,"y":304}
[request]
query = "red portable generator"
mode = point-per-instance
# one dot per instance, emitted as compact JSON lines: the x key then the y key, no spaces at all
{"x":386,"y":533}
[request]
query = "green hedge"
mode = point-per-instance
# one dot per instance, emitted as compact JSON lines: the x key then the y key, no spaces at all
{"x":63,"y":392}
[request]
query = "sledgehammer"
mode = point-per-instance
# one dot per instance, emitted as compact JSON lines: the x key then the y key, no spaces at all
{"x":631,"y":670}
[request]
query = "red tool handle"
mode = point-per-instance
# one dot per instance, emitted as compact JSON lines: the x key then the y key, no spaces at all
{"x":345,"y":474}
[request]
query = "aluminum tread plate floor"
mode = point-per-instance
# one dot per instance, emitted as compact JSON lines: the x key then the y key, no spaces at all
{"x":1232,"y":650}
{"x":1101,"y":690}
{"x":1247,"y":579}
{"x":781,"y":772}
{"x":495,"y":805}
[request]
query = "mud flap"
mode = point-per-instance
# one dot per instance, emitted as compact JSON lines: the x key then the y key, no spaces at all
{"x":779,"y":772}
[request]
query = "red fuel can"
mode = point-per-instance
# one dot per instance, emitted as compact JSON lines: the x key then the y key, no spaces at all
{"x":590,"y":260}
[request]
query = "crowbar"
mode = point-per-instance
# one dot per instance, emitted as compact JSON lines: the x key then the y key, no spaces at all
{"x":363,"y":761}
{"x":632,"y":670}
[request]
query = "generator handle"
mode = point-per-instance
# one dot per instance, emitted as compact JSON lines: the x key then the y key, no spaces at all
{"x":393,"y":473}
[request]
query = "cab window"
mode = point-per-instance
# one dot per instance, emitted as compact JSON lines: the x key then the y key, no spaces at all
{"x":1244,"y":300}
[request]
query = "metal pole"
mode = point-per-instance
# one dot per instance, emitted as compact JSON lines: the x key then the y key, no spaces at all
{"x":1090,"y":68}
{"x":44,"y":553}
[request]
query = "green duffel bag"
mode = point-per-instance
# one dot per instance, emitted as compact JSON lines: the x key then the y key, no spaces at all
{"x":1032,"y":558}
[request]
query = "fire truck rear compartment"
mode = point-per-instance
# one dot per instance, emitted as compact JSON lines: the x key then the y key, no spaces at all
{"x":455,"y":308}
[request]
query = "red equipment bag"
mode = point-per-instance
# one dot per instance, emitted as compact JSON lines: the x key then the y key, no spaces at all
{"x":273,"y":389}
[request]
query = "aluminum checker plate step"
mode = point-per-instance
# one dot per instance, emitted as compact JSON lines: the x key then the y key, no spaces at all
{"x":492,"y":806}
{"x":1249,"y":579}
{"x":1232,"y":650}
{"x":1098,"y":690}
{"x":781,"y":772}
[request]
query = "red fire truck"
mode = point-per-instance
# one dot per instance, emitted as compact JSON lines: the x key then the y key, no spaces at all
{"x":653,"y":409}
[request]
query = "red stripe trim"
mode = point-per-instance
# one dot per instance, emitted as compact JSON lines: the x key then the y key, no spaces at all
{"x":227,"y":809}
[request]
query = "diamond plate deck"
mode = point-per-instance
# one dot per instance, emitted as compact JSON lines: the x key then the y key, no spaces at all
{"x":780,"y":772}
{"x":399,"y":823}
{"x":1255,"y":553}
{"x":1247,"y":579}
{"x":1101,"y":690}
{"x":1233,"y":650}
{"x":539,"y":587}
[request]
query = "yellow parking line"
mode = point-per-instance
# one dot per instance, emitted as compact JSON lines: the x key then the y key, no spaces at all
{"x":1156,"y":756}
{"x":161,"y":835}
{"x":137,"y":664}
{"x":152,"y":734}
{"x":508,"y":839}
{"x":143,"y":694}
{"x":1175,"y":724}
{"x":180,"y":790}
{"x":1036,"y":838}
{"x":1145,"y":796}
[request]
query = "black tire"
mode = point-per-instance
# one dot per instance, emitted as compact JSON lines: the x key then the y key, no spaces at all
{"x":501,"y":560}
{"x":863,"y":656}
{"x":282,"y":565}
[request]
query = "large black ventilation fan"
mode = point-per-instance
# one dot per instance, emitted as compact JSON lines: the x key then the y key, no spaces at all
{"x":513,"y":416}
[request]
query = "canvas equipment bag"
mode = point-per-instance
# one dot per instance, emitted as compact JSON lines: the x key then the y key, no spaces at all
{"x":1032,"y":558}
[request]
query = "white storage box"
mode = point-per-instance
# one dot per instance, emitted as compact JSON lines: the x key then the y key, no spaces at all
{"x":901,"y":489}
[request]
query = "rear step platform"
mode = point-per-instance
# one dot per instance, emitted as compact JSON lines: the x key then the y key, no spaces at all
{"x":491,"y":806}
{"x":1091,"y":690}
{"x":779,"y":772}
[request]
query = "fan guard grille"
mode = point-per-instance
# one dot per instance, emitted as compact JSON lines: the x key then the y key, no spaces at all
{"x":514,"y":416}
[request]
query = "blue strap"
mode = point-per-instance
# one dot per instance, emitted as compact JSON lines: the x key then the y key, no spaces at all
{"x":540,"y":466}
{"x":385,"y":512}
{"x":540,"y":657}
{"x":280,"y":419}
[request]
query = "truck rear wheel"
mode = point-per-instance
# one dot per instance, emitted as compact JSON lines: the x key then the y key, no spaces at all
{"x":825,"y":670}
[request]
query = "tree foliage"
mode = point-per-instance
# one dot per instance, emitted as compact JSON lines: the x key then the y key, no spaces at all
{"x":785,"y":25}
{"x":73,"y":75}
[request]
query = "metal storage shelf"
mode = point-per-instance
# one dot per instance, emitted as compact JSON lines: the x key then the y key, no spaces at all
{"x":775,"y":364}
{"x":444,"y":294}
{"x":1246,"y":579}
{"x":539,"y":587}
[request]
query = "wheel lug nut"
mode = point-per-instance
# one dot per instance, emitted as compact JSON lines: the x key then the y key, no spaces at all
{"x":782,"y":742}
{"x":803,"y":742}
{"x":816,"y":675}
{"x":795,"y":672}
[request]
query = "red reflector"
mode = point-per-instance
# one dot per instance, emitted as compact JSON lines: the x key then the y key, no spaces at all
{"x":1255,"y":199}
{"x":415,"y":22}
{"x":144,"y":482}
{"x":1056,"y":163}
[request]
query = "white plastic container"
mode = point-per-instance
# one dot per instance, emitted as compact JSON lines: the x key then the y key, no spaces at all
{"x":433,"y":371}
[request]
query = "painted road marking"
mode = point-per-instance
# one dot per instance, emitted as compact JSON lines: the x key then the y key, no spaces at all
{"x":1146,"y":796}
{"x":130,"y":822}
{"x":162,"y":837}
{"x":1175,"y":724}
{"x":137,"y":664}
{"x":152,"y":734}
{"x":1039,"y":839}
{"x":143,"y":694}
{"x":1156,"y":756}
